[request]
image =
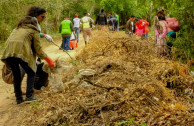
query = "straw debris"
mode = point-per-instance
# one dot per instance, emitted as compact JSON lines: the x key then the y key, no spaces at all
{"x":129,"y":82}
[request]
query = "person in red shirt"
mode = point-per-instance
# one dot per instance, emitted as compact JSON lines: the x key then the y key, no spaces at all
{"x":146,"y":28}
{"x":139,"y":27}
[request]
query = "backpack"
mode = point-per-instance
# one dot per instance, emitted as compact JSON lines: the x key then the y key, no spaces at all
{"x":7,"y":74}
{"x":41,"y":78}
{"x":173,"y":24}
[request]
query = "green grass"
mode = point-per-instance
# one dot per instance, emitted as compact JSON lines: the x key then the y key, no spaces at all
{"x":191,"y":68}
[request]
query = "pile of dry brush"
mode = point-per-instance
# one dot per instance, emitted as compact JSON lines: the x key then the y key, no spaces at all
{"x":129,"y":82}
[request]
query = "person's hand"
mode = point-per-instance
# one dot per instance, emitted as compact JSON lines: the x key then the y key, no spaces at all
{"x":160,"y":36}
{"x":49,"y":38}
{"x":49,"y":61}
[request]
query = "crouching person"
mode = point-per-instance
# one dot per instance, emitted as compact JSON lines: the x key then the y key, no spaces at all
{"x":22,"y":48}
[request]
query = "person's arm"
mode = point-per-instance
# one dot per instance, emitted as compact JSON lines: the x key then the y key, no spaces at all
{"x":105,"y":18}
{"x":157,"y":33}
{"x":127,"y":27}
{"x":72,"y":28}
{"x":60,"y":28}
{"x":79,"y":21}
{"x":164,"y":26}
{"x":91,"y":20}
{"x":148,"y":23}
{"x":38,"y":49}
{"x":96,"y":20}
{"x":37,"y":46}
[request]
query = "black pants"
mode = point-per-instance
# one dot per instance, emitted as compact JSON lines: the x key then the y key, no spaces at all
{"x":14,"y":64}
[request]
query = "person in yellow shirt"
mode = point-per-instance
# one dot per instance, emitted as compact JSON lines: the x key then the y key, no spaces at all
{"x":85,"y":26}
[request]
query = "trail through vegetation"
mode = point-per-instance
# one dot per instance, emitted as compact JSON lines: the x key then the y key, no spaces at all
{"x":115,"y":80}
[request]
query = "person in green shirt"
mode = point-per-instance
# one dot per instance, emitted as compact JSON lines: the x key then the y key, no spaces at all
{"x":66,"y":29}
{"x":117,"y":17}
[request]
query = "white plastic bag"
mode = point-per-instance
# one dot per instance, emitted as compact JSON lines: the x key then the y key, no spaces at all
{"x":72,"y":36}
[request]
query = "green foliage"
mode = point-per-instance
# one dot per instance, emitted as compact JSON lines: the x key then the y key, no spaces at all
{"x":126,"y":122}
{"x":143,"y":124}
{"x":35,"y":105}
{"x":130,"y":122}
{"x":12,"y":11}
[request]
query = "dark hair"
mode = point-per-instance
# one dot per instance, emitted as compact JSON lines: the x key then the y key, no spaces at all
{"x":161,"y":17}
{"x":110,"y":22}
{"x":27,"y":20}
{"x":161,"y":12}
{"x":110,"y":13}
{"x":85,"y":14}
{"x":136,"y":19}
{"x":35,"y":11}
{"x":132,"y":16}
{"x":102,"y":10}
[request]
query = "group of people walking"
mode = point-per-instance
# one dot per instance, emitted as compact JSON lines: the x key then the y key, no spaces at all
{"x":69,"y":29}
{"x":85,"y":24}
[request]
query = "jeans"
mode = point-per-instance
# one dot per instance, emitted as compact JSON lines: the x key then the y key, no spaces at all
{"x":145,"y":35}
{"x":118,"y":27}
{"x":77,"y":30}
{"x":15,"y":64}
{"x":66,"y":41}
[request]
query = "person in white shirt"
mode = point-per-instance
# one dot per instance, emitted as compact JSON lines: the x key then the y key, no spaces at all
{"x":130,"y":26}
{"x":76,"y":24}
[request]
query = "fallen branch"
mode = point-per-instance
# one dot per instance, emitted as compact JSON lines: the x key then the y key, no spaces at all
{"x":107,"y":88}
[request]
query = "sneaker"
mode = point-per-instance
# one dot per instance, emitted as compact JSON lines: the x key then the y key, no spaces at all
{"x":68,"y":50}
{"x":31,"y":99}
{"x":19,"y":101}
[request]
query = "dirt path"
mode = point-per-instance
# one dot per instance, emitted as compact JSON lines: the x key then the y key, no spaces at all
{"x":7,"y":98}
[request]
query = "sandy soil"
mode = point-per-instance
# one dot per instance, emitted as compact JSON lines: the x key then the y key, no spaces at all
{"x":7,"y":98}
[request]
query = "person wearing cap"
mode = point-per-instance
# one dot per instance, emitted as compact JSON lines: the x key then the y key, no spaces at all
{"x":86,"y":27}
{"x":130,"y":26}
{"x":101,"y":20}
{"x":76,"y":24}
{"x":66,"y":29}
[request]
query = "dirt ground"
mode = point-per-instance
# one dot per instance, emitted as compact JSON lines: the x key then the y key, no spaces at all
{"x":7,"y":97}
